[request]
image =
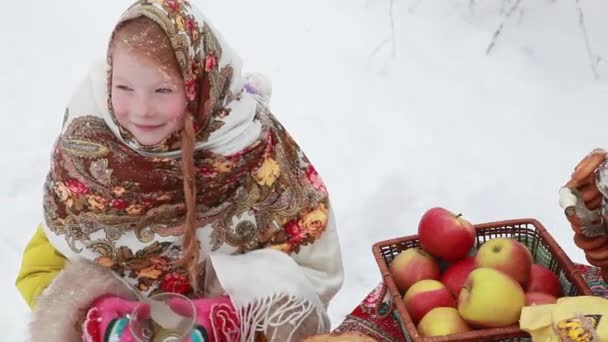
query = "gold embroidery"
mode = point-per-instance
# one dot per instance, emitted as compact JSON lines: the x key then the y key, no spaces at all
{"x":244,"y":236}
{"x":84,"y":149}
{"x":100,"y":171}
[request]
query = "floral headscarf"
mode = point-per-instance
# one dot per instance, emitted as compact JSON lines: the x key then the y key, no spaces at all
{"x":118,"y":202}
{"x":210,"y":70}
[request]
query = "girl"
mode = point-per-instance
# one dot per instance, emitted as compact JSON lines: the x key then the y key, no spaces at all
{"x":172,"y":175}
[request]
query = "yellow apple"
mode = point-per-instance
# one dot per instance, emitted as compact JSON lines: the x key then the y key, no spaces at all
{"x":442,"y":321}
{"x":490,"y":299}
{"x":506,"y":255}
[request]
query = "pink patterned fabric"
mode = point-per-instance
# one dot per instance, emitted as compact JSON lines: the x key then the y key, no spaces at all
{"x":215,"y":315}
{"x":103,"y":311}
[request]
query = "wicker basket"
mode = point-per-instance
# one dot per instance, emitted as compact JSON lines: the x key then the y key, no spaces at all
{"x":530,"y":232}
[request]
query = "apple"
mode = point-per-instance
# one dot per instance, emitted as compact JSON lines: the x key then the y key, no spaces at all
{"x":539,"y":298}
{"x":445,"y":235}
{"x":506,"y":255}
{"x":543,"y":280}
{"x":412,"y":265}
{"x":442,"y":321}
{"x":456,"y":274}
{"x":491,"y":299}
{"x":426,"y":295}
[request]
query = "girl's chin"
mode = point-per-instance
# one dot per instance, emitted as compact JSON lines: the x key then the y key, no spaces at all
{"x":148,"y":139}
{"x":148,"y":142}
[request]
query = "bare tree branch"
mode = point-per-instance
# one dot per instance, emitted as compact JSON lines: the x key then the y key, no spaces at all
{"x":593,"y":60}
{"x":391,"y":39}
{"x":502,"y":24}
{"x":377,"y":48}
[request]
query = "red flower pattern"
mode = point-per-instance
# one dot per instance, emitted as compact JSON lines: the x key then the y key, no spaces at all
{"x":207,"y":172}
{"x":172,"y":4}
{"x":175,"y":282}
{"x":119,"y":204}
{"x":295,"y":232}
{"x":91,"y":329}
{"x":191,"y":25}
{"x":313,"y":178}
{"x":76,"y":187}
{"x":225,"y":323}
{"x":210,"y":62}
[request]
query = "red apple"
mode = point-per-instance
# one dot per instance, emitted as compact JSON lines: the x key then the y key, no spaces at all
{"x":543,"y":280}
{"x":426,"y":295}
{"x":445,"y":235}
{"x":456,"y":274}
{"x":412,"y":265}
{"x":539,"y":298}
{"x":506,"y":255}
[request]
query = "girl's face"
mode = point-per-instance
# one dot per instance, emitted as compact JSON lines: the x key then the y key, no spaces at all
{"x":147,"y":100}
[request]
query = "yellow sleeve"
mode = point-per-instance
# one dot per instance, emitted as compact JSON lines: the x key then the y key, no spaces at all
{"x":40,"y":265}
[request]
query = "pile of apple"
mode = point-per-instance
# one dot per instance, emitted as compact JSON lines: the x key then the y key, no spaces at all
{"x":486,"y":289}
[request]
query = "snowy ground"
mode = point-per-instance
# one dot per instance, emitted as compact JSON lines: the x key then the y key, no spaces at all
{"x":437,"y":124}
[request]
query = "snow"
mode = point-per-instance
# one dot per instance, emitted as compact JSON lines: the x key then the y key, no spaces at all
{"x":437,"y":123}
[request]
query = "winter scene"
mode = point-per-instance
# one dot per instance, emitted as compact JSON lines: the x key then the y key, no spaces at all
{"x":199,"y":170}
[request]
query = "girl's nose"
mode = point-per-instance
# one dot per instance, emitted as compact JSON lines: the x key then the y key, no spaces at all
{"x":141,"y":107}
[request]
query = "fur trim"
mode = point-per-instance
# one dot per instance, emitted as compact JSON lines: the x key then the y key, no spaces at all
{"x":63,"y":305}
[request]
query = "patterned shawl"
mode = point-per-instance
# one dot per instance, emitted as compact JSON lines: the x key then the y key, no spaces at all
{"x":109,"y":199}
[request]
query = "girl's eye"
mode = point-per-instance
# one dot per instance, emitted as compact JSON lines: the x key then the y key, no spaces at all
{"x":123,"y":87}
{"x":164,"y":91}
